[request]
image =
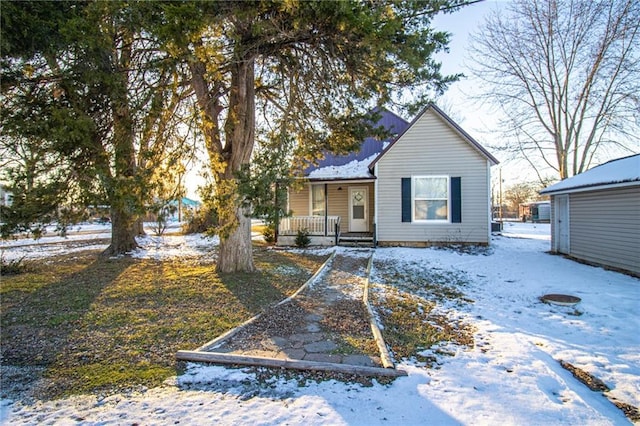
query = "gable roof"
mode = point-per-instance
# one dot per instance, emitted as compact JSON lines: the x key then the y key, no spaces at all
{"x":355,"y":164}
{"x":618,"y":172}
{"x":451,"y":124}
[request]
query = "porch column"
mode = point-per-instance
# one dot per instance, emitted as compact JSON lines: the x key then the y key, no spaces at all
{"x":326,"y":209}
{"x":277,"y":214}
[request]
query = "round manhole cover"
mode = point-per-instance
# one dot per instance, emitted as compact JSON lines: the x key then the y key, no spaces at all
{"x":560,"y":299}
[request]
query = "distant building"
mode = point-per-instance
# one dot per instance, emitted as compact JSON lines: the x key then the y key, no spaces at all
{"x":536,"y":211}
{"x":6,"y":197}
{"x":182,"y":208}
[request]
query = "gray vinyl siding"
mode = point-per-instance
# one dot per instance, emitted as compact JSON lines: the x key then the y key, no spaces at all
{"x":300,"y":205}
{"x":552,"y":222}
{"x":432,"y":147}
{"x":605,"y":227}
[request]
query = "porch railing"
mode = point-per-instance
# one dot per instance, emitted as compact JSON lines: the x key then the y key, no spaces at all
{"x":314,"y":225}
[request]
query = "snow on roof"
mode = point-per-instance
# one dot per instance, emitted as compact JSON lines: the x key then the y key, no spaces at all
{"x":355,"y":164}
{"x":352,"y":170}
{"x":187,"y":202}
{"x":618,"y":171}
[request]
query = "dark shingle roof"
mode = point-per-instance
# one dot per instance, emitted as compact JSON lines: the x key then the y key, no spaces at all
{"x":369,"y":147}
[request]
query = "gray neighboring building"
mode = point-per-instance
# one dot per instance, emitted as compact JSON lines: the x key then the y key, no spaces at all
{"x":595,"y":215}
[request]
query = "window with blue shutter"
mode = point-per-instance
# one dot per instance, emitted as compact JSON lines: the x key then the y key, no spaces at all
{"x":432,"y":199}
{"x":406,"y":199}
{"x":456,"y":200}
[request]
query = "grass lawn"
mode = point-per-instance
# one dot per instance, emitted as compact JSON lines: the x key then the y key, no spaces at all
{"x":108,"y":325}
{"x":409,"y":301}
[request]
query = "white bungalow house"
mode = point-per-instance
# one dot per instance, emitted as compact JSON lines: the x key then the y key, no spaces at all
{"x":595,"y":215}
{"x":428,"y":185}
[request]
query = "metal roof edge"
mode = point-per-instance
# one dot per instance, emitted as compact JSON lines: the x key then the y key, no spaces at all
{"x":591,"y":187}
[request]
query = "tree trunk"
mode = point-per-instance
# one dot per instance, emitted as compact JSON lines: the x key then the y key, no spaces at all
{"x":122,"y":233}
{"x":124,"y":195}
{"x":138,"y":228}
{"x":236,"y":254}
{"x":225,"y":161}
{"x":236,"y":247}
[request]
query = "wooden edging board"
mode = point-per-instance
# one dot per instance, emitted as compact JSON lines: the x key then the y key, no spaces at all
{"x":385,"y":357}
{"x":233,"y":331}
{"x":218,"y":358}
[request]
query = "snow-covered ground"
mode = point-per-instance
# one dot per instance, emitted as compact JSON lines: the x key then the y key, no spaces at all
{"x":168,"y":245}
{"x":512,"y":376}
{"x":51,"y":244}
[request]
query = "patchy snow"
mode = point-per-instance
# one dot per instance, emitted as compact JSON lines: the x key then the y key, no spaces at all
{"x":167,"y":247}
{"x":616,"y":171}
{"x":353,"y":170}
{"x":511,"y":376}
{"x":76,"y":233}
{"x":79,"y":238}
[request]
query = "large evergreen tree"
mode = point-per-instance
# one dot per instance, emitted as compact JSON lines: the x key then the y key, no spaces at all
{"x":315,"y":66}
{"x":84,"y":84}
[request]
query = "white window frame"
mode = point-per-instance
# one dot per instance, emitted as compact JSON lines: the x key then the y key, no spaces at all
{"x":324,"y":199}
{"x":413,"y":198}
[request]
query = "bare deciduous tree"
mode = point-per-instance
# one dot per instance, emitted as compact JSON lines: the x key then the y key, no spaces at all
{"x":566,"y":75}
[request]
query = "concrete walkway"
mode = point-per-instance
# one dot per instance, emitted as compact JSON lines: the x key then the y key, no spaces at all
{"x":324,"y":324}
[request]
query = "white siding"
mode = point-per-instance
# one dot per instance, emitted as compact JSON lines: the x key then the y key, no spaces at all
{"x":432,"y":147}
{"x":605,"y":227}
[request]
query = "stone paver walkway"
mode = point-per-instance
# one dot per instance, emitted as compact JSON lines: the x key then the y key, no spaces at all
{"x":327,"y":322}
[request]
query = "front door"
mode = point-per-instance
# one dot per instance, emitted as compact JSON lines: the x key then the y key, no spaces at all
{"x":358,"y":206}
{"x":562,"y":223}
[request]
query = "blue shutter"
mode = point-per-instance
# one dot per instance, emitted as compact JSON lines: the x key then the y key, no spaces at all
{"x":406,"y":199}
{"x":456,"y":200}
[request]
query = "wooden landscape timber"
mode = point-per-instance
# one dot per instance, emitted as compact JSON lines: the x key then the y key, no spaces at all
{"x":385,"y":357}
{"x":218,"y":358}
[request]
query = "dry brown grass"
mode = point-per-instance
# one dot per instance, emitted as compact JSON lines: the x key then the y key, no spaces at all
{"x":104,"y":325}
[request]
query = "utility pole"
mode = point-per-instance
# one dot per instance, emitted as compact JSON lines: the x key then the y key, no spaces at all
{"x":500,"y":191}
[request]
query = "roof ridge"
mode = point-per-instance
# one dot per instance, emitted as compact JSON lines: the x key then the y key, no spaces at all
{"x":456,"y":127}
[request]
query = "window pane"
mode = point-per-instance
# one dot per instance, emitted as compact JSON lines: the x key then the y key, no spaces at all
{"x":421,"y":210}
{"x":431,"y":188}
{"x":317,"y":200}
{"x":437,"y":210}
{"x":358,"y":212}
{"x":358,"y":198}
{"x":430,"y":210}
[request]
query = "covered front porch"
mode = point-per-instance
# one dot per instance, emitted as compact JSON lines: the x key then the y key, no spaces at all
{"x":331,"y":213}
{"x":322,"y":230}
